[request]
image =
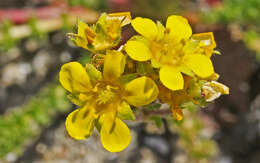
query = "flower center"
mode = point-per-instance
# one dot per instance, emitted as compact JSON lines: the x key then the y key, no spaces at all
{"x":106,"y":95}
{"x":168,"y":52}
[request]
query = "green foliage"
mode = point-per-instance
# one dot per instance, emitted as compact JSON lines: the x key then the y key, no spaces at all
{"x":152,"y":106}
{"x":86,"y":58}
{"x":7,"y":41}
{"x":36,"y":34}
{"x":128,"y":77}
{"x":94,"y":4}
{"x":239,"y":11}
{"x":147,"y":7}
{"x":125,"y":112}
{"x":144,"y":68}
{"x":22,"y":124}
{"x":157,"y":120}
{"x":252,"y":41}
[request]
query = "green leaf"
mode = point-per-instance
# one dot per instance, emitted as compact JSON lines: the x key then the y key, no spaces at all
{"x":157,"y":120}
{"x":217,"y":52}
{"x":152,"y":106}
{"x":144,"y":68}
{"x":75,"y":99}
{"x":189,"y":105}
{"x":186,"y":71}
{"x":195,"y":89}
{"x":125,"y":112}
{"x":127,"y":78}
{"x":93,"y":73}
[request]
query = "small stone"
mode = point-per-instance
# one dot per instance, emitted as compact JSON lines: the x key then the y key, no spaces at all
{"x":181,"y":158}
{"x":41,"y":62}
{"x":41,"y":148}
{"x":147,"y":156}
{"x":58,"y":38}
{"x":65,"y":57}
{"x":244,"y":87}
{"x":31,"y":45}
{"x":11,"y":157}
{"x":157,"y":144}
{"x":15,"y":73}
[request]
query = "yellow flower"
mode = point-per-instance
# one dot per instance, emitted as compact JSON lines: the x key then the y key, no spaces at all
{"x":106,"y":33}
{"x":104,"y":100}
{"x":172,"y":49}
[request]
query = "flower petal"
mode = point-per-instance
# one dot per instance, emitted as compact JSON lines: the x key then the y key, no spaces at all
{"x":145,"y":27}
{"x":138,"y":51}
{"x":114,"y":65}
{"x":161,"y":30}
{"x":80,"y":123}
{"x":141,"y":91}
{"x":81,"y":28}
{"x":201,"y":65}
{"x":115,"y":135}
{"x":179,"y":27}
{"x":74,"y":77}
{"x":171,"y":78}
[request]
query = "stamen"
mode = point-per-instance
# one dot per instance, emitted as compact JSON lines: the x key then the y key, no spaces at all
{"x":106,"y":95}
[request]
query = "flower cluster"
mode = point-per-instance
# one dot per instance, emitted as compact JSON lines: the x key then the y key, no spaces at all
{"x":169,"y":64}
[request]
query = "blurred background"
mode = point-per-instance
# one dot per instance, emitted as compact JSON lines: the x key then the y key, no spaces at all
{"x":33,"y":106}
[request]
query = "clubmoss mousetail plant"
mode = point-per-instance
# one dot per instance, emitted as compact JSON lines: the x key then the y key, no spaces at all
{"x":162,"y":64}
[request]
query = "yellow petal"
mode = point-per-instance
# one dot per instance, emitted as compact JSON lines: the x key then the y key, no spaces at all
{"x":141,"y":91}
{"x":124,"y":17}
{"x":145,"y":27}
{"x":171,"y":78}
{"x":74,"y":77}
{"x":138,"y":51}
{"x":125,"y":112}
{"x":115,"y":135}
{"x":177,"y":114}
{"x":161,"y":30}
{"x":200,"y":65}
{"x":114,"y":65}
{"x":80,"y":123}
{"x":81,"y":28}
{"x":179,"y":27}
